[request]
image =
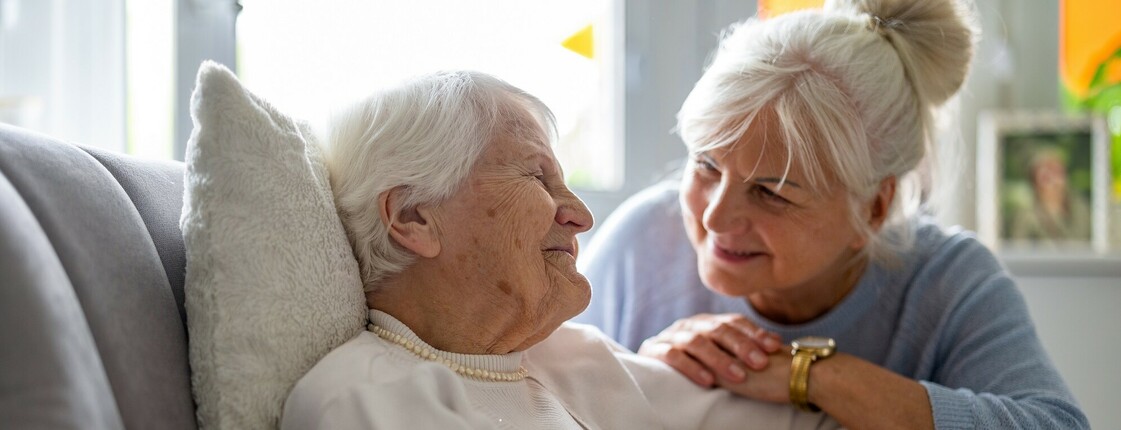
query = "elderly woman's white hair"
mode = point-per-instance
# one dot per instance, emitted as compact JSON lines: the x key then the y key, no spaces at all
{"x":854,"y":95}
{"x":423,"y":136}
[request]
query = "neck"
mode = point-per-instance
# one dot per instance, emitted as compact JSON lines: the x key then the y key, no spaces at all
{"x":809,"y":301}
{"x":451,"y":316}
{"x":1051,"y":197}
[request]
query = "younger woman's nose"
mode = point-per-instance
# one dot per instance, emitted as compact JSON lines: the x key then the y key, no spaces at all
{"x":725,"y":211}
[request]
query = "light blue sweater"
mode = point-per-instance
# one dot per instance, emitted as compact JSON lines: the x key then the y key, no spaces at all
{"x":949,"y":316}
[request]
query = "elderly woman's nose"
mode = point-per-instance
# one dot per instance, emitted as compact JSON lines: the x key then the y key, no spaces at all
{"x":725,"y":210}
{"x":573,"y":212}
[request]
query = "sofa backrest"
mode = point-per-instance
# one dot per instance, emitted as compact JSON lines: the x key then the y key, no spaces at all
{"x":92,"y":322}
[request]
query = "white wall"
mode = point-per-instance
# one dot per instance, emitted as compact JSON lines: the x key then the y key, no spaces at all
{"x":1078,"y":322}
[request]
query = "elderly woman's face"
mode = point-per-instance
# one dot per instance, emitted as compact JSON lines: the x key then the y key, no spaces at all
{"x":750,"y":235}
{"x":510,"y":232}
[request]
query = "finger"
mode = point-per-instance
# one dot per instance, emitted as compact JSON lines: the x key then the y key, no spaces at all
{"x":680,"y":361}
{"x":768,"y":341}
{"x":771,"y":342}
{"x":740,"y":322}
{"x":715,"y":358}
{"x":746,"y":348}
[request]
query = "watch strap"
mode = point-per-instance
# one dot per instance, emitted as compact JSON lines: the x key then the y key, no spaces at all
{"x":800,"y":380}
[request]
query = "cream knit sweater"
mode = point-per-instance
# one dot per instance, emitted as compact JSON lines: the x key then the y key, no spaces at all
{"x":578,"y":378}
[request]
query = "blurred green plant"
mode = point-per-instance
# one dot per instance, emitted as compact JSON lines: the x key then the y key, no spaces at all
{"x":1104,"y":98}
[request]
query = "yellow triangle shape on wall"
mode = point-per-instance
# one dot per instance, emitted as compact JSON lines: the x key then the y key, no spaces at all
{"x":773,"y":8}
{"x":581,"y":42}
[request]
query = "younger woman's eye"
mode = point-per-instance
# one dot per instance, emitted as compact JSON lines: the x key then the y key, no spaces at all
{"x":704,"y":165}
{"x":769,"y":195}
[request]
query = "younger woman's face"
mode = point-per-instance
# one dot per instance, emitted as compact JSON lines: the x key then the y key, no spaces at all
{"x":755,"y":233}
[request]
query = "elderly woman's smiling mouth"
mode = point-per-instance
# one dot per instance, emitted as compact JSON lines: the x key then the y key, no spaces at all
{"x":567,"y":249}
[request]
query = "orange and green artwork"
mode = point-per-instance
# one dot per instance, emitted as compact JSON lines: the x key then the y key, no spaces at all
{"x":1090,"y":67}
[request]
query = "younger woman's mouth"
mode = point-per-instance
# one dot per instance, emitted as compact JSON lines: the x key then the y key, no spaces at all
{"x":732,"y":256}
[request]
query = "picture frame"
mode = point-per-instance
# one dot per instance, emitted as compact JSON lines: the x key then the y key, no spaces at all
{"x":1043,"y":183}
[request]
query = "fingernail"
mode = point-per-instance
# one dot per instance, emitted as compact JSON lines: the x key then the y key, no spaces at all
{"x":737,"y":371}
{"x":707,"y":378}
{"x":771,"y":343}
{"x":757,"y":358}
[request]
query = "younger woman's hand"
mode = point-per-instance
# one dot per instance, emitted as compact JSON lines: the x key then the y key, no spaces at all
{"x":705,"y":346}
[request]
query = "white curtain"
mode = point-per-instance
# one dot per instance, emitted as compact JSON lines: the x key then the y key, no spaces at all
{"x":62,"y":69}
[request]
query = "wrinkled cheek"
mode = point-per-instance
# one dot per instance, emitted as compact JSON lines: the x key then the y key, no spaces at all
{"x":693,"y":204}
{"x":570,"y":290}
{"x":561,"y":270}
{"x":716,"y":279}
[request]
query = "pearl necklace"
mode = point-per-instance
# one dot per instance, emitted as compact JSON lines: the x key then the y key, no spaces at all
{"x":427,"y":353}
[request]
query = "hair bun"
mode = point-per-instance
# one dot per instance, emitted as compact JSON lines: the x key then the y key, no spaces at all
{"x":934,"y":39}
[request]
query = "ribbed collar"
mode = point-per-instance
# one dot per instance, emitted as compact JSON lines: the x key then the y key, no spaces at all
{"x":496,"y":363}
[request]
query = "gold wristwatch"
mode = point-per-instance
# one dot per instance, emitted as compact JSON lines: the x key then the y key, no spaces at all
{"x":806,"y":351}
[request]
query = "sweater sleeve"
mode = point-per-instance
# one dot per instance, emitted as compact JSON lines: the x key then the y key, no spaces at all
{"x":990,"y":355}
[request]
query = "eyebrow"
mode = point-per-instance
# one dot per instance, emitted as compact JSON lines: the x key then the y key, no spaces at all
{"x":767,"y":180}
{"x":543,"y":158}
{"x":778,"y":181}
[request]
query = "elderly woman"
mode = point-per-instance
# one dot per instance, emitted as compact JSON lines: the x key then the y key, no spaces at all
{"x":808,"y":135}
{"x":466,"y":236}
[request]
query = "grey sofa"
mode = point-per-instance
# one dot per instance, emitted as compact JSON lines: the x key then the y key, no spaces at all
{"x":92,"y":323}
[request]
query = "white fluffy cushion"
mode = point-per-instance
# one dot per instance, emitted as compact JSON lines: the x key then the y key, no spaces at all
{"x":272,"y":284}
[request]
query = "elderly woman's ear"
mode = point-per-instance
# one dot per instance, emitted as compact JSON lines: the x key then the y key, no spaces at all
{"x":411,"y":227}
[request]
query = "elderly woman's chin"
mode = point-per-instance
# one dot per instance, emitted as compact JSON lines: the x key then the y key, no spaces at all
{"x":568,"y":282}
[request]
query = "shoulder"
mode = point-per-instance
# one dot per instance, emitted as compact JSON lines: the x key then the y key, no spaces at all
{"x":943,"y":255}
{"x":348,"y":362}
{"x":367,"y":383}
{"x":577,"y":349}
{"x":364,"y":366}
{"x":575,"y":338}
{"x":952,"y":268}
{"x":956,"y":254}
{"x":580,"y":345}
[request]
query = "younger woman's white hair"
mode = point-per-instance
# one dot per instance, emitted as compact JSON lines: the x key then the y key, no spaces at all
{"x":853,"y":87}
{"x":423,"y":136}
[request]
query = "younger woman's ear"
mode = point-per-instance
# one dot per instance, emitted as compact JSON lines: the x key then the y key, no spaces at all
{"x":877,"y":209}
{"x":881,"y":203}
{"x":410,"y":227}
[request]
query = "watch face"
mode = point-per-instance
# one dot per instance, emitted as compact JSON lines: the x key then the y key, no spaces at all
{"x":815,"y":342}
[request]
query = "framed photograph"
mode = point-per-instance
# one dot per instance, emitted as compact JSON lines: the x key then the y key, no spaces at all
{"x":1043,"y":183}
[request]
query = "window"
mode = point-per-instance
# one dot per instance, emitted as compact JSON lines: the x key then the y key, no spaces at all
{"x":309,"y":60}
{"x":61,"y":68}
{"x":149,"y":78}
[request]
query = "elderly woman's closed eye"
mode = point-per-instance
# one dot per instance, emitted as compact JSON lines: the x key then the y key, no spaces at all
{"x":465,"y":233}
